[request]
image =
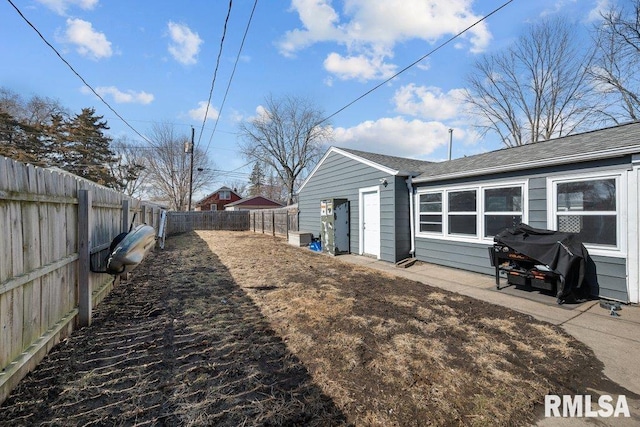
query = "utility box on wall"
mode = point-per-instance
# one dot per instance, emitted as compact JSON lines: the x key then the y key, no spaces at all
{"x":334,"y":228}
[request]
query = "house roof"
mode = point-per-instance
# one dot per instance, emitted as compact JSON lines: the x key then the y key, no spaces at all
{"x":402,"y":165}
{"x":255,"y":201}
{"x":598,"y":144}
{"x":594,"y":145}
{"x":223,"y":188}
{"x":389,"y":164}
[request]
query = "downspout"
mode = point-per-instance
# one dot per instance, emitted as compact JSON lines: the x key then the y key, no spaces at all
{"x":412,"y":252}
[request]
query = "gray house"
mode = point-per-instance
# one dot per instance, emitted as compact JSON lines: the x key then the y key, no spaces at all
{"x":377,"y":190}
{"x":448,"y":212}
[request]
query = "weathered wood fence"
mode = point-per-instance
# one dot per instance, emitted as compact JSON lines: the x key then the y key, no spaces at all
{"x":269,"y":221}
{"x":278,"y":222}
{"x":180,"y":222}
{"x":53,"y":228}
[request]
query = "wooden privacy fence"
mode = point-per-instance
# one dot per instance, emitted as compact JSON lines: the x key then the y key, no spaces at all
{"x":275,"y":221}
{"x":180,"y":222}
{"x":272,"y":221}
{"x":53,"y":227}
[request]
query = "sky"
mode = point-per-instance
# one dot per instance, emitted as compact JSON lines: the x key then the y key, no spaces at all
{"x":153,"y":61}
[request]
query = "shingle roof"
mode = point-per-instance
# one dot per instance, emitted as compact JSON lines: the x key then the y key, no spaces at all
{"x":255,"y":201}
{"x":223,"y":188}
{"x":604,"y":143}
{"x":401,"y":164}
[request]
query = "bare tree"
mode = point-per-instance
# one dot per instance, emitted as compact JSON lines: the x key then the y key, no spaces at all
{"x":615,"y":68}
{"x":27,"y":127}
{"x":534,"y":90}
{"x":129,"y":168}
{"x":169,"y":167}
{"x":238,"y":185}
{"x":286,"y":136}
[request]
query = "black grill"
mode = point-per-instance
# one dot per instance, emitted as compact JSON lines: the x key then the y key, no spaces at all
{"x":522,"y":271}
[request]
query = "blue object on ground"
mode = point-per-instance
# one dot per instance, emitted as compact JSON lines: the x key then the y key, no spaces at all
{"x":316,"y":245}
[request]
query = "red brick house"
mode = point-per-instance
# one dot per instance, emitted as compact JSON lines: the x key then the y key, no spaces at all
{"x":216,"y":200}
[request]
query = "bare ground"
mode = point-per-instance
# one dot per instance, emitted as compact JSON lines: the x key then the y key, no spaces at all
{"x":229,"y":328}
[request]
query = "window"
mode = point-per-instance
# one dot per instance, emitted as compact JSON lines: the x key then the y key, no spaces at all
{"x":431,"y":212}
{"x":213,"y":207}
{"x":225,"y":195}
{"x":502,"y":209}
{"x":462,"y":210}
{"x":588,"y":208}
{"x":475,"y":212}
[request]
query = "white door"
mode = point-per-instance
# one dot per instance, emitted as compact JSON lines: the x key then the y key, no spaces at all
{"x":371,"y":223}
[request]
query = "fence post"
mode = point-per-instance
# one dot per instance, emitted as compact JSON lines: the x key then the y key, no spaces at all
{"x":262,"y":222}
{"x":84,"y":248}
{"x":143,"y":214}
{"x":125,"y":227}
{"x":273,"y":223}
{"x":125,"y":215}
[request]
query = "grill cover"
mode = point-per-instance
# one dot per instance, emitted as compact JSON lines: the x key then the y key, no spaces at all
{"x":562,"y":252}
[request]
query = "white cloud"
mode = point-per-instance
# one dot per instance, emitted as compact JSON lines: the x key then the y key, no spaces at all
{"x":601,"y":7}
{"x":88,"y":42}
{"x":128,"y":97}
{"x":61,"y":6}
{"x":358,"y":67}
{"x":199,"y":112}
{"x":428,"y":102}
{"x":369,"y":30}
{"x":185,"y":44}
{"x":395,"y":136}
{"x":319,"y":21}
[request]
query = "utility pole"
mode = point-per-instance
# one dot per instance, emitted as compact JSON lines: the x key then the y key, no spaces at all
{"x":193,"y":131}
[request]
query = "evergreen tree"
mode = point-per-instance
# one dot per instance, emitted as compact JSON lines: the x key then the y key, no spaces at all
{"x":25,"y":127}
{"x":86,"y":152}
{"x":20,"y":141}
{"x":256,"y":180}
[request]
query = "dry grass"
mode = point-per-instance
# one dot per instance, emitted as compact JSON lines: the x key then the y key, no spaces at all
{"x":390,"y":351}
{"x":231,"y":329}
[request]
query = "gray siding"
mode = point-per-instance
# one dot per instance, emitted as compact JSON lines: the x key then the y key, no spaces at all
{"x":611,"y":272}
{"x":403,"y":219}
{"x":340,"y":176}
{"x":612,"y":277}
{"x":538,"y":202}
{"x":465,"y":256}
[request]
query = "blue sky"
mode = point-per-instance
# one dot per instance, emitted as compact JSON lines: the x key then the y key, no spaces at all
{"x":154,"y":60}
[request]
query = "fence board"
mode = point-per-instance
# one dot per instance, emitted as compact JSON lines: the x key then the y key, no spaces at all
{"x":278,"y":222}
{"x":39,"y":260}
{"x":180,"y":222}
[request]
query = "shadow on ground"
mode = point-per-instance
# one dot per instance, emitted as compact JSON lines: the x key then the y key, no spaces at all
{"x":178,"y":344}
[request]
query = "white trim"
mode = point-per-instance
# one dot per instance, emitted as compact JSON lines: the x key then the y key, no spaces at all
{"x":412,"y":224}
{"x":361,"y":192}
{"x":620,"y":251}
{"x":633,"y":245}
{"x":352,"y":157}
{"x":556,"y":161}
{"x":480,"y":188}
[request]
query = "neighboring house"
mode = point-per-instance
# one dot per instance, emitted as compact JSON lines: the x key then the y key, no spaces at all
{"x":250,"y":203}
{"x":217,"y":200}
{"x":586,"y":183}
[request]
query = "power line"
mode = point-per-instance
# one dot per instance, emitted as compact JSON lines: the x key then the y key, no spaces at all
{"x":440,"y":46}
{"x":244,"y":37}
{"x":215,"y":71}
{"x":75,"y":72}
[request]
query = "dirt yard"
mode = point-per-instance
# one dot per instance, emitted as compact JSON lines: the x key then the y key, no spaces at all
{"x":229,"y":328}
